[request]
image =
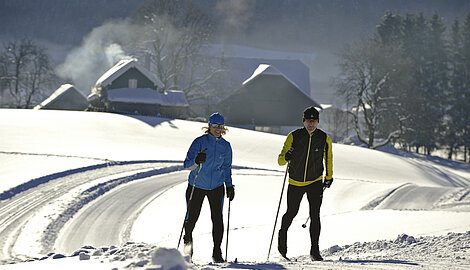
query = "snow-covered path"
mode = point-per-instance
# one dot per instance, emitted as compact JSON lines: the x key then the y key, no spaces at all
{"x":32,"y":214}
{"x":108,"y":220}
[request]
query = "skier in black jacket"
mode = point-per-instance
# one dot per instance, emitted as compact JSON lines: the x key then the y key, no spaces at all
{"x":308,"y":151}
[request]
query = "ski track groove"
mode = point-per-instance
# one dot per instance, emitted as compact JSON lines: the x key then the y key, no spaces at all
{"x":87,"y":196}
{"x":378,"y":200}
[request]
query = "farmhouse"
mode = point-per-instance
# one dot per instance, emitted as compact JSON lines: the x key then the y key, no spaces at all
{"x":129,"y":88}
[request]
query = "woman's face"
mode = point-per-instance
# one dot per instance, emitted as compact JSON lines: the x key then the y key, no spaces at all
{"x":216,"y":129}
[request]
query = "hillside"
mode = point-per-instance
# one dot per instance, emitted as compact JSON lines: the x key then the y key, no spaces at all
{"x":388,"y":194}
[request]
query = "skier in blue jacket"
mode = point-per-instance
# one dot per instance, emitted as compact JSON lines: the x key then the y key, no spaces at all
{"x":210,"y":157}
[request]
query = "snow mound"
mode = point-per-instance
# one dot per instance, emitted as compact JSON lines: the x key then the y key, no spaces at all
{"x":451,"y":249}
{"x":170,"y":259}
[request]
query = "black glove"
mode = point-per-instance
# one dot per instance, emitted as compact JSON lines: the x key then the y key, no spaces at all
{"x":200,"y":158}
{"x":289,"y":154}
{"x":230,"y":193}
{"x":327,"y":183}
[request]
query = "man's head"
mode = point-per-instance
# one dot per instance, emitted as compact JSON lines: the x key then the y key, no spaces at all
{"x":310,"y":118}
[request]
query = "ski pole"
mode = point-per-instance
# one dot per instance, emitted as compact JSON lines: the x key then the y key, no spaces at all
{"x":228,"y":228}
{"x":305,"y":224}
{"x":189,"y":202}
{"x":277,"y":214}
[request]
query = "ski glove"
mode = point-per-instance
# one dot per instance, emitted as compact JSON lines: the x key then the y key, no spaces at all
{"x":288,"y":155}
{"x":200,"y":158}
{"x":230,"y":193}
{"x":327,"y":183}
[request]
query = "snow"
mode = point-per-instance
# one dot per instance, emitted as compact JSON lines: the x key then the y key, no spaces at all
{"x":148,"y":96}
{"x":266,"y":70}
{"x":376,"y":197}
{"x":250,"y":52}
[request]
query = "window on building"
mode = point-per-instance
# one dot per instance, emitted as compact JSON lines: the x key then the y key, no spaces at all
{"x":132,"y":83}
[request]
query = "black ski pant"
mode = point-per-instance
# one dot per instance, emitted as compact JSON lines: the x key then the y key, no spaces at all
{"x":216,"y":202}
{"x":294,"y":197}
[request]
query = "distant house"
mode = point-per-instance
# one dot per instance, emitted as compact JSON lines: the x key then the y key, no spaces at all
{"x":66,"y":97}
{"x":129,"y":88}
{"x":267,"y":101}
{"x":241,"y":68}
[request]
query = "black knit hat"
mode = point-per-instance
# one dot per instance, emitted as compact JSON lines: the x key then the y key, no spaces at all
{"x":311,"y":113}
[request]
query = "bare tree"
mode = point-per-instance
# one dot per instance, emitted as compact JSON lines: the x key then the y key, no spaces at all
{"x":369,"y":79}
{"x":25,"y":72}
{"x":176,"y":33}
{"x":335,"y":122}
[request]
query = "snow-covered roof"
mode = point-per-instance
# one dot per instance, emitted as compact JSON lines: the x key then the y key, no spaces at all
{"x":63,"y":90}
{"x":241,"y":68}
{"x":148,"y":96}
{"x":265,"y":69}
{"x":122,"y":66}
{"x":249,"y":52}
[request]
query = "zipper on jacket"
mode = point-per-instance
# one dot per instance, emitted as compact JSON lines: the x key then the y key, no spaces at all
{"x":213,"y":162}
{"x":308,"y":154}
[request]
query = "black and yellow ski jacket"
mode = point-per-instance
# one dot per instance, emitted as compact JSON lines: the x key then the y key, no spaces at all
{"x":310,"y":150}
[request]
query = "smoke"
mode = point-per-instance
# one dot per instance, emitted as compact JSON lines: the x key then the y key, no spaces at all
{"x":236,"y":13}
{"x":103,"y":47}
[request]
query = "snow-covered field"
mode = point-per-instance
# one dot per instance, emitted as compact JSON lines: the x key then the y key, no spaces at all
{"x":383,"y":211}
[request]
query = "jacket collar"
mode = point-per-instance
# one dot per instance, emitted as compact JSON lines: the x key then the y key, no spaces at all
{"x":309,"y":132}
{"x":212,"y":138}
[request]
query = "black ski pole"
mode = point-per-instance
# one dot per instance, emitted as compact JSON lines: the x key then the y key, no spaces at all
{"x":305,"y":224}
{"x":228,"y":228}
{"x":277,"y":214}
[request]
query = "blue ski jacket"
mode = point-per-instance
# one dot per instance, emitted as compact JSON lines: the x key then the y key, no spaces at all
{"x":217,"y":169}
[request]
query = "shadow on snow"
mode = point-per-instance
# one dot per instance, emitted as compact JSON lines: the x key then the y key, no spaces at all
{"x":381,"y":261}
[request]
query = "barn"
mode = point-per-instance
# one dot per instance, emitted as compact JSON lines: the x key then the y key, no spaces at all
{"x":66,"y":97}
{"x":267,"y":101}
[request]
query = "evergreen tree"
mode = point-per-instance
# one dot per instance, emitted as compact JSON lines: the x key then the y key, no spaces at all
{"x":466,"y":86}
{"x":390,"y":30}
{"x":437,"y":82}
{"x":455,"y":98}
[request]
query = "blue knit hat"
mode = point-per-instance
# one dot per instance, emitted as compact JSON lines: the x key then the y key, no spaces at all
{"x":216,"y":118}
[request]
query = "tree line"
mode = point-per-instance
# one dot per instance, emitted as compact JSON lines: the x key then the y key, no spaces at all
{"x":409,"y":84}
